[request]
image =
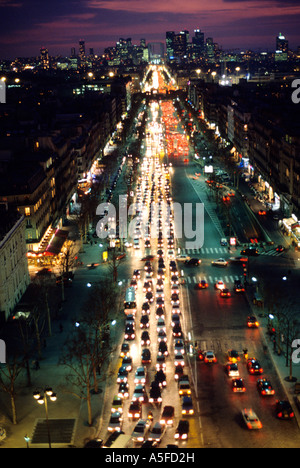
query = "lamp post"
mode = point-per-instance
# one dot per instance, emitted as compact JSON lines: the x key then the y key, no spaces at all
{"x":42,"y":399}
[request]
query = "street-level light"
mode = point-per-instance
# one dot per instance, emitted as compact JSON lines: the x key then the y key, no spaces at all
{"x":42,"y":399}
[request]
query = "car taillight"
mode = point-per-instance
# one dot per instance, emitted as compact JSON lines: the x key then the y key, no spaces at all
{"x":292,"y":415}
{"x":279,"y":415}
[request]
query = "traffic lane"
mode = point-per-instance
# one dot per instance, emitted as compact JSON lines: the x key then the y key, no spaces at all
{"x":219,"y":407}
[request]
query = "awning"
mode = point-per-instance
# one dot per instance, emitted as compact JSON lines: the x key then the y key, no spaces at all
{"x":57,"y":242}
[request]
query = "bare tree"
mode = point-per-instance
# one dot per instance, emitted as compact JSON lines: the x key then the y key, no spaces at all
{"x":8,"y":377}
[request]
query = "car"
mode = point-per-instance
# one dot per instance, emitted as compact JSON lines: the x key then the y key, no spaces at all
{"x":193,"y":262}
{"x":149,"y":296}
{"x":122,"y":375}
{"x":182,"y":430}
{"x":187,"y":407}
{"x":162,"y":336}
{"x":175,"y":320}
{"x":239,"y":259}
{"x":155,"y":393}
{"x":220,"y":285}
{"x":252,"y":322}
{"x":117,"y":405}
{"x":160,"y":378}
{"x":238,"y":287}
{"x":262,"y":212}
{"x":250,"y":252}
{"x":135,"y":410}
{"x":179,"y":359}
{"x":225,"y":293}
{"x":129,"y":332}
{"x":123,"y":391}
{"x":160,"y":324}
{"x":179,"y":372}
{"x":160,"y":302}
{"x":183,"y":257}
{"x":233,"y":355}
{"x":221,"y":262}
{"x":140,"y":375}
{"x":115,"y":422}
{"x":179,"y":346}
{"x":124,"y":349}
{"x":265,"y":388}
{"x":130,"y":320}
{"x":160,"y":313}
{"x":184,"y":387}
{"x":175,"y":289}
{"x":176,"y":309}
{"x":159,"y":291}
{"x":145,"y":338}
{"x":136,"y":274}
{"x":139,"y":393}
{"x":144,"y":322}
{"x":232,"y":369}
{"x":174,"y":279}
{"x":167,"y":416}
{"x":280,"y":249}
{"x":224,"y":242}
{"x":127,"y":363}
{"x":251,"y":419}
{"x":146,"y":356}
{"x":254,"y":366}
{"x":177,"y":331}
{"x":147,"y":286}
{"x":145,"y":308}
{"x":134,"y":283}
{"x":157,"y":432}
{"x":238,"y":385}
{"x":202,"y":285}
{"x":283,"y":410}
{"x":161,"y":362}
{"x":140,"y":430}
{"x":209,"y":357}
{"x":174,"y":298}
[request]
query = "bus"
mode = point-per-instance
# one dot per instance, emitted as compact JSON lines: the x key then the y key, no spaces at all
{"x":130,"y":301}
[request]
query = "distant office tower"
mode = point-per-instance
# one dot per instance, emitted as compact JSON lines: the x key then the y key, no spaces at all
{"x":73,"y":52}
{"x":82,"y":49}
{"x":91,"y":52}
{"x":45,"y":58}
{"x":180,"y":44}
{"x":170,"y":44}
{"x":198,"y":42}
{"x":210,"y":49}
{"x":143,"y":43}
{"x":282,"y":48}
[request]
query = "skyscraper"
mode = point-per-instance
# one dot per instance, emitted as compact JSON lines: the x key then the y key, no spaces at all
{"x":282,"y":48}
{"x":198,"y":42}
{"x":170,"y":44}
{"x":45,"y":58}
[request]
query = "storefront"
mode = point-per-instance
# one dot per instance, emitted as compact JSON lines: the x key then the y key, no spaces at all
{"x":292,"y":227}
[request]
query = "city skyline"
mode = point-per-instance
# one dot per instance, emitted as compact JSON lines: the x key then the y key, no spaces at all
{"x":60,"y":25}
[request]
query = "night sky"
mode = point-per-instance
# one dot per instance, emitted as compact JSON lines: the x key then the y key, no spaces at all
{"x":27,"y":25}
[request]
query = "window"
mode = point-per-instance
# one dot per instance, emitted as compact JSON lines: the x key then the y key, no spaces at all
{"x":27,"y":211}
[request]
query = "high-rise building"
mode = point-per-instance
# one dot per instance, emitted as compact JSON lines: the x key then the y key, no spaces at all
{"x":82,"y":50}
{"x":45,"y":58}
{"x":180,"y":44}
{"x":170,"y":44}
{"x":282,"y":48}
{"x":198,"y":42}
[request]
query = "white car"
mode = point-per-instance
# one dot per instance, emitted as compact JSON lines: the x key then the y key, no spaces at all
{"x":220,"y":262}
{"x":209,"y":356}
{"x":140,"y":430}
{"x":220,"y":285}
{"x":157,"y":432}
{"x":224,"y":242}
{"x":232,"y":369}
{"x":182,"y":257}
{"x":251,"y":419}
{"x":140,"y":375}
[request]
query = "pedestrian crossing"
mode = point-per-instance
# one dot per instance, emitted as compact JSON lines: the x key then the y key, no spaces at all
{"x":222,"y":346}
{"x":212,"y":280}
{"x":218,"y":251}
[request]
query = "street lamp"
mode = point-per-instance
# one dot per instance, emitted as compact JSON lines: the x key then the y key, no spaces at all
{"x":42,"y":400}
